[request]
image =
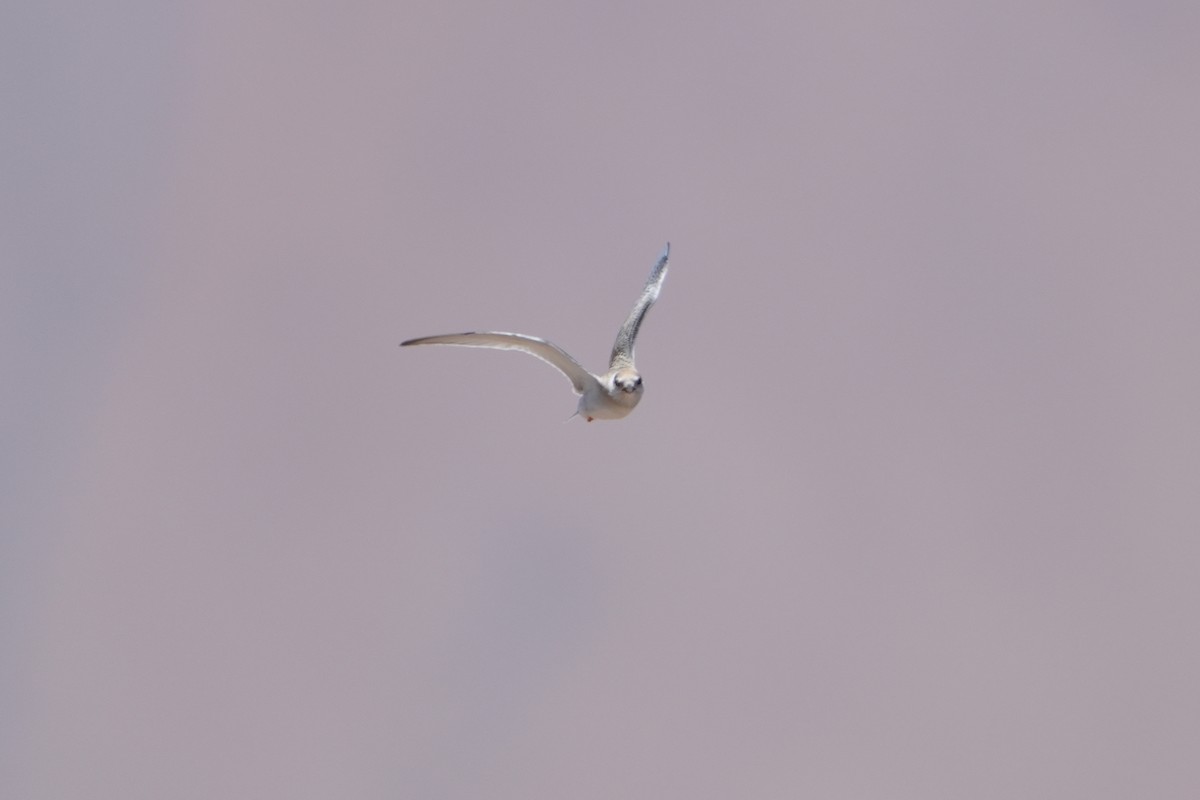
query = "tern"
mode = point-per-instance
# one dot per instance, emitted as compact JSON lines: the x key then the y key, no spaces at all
{"x":609,"y":396}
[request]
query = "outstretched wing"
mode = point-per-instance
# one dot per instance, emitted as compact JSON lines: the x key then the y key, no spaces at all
{"x":622,"y":354}
{"x":549,"y":352}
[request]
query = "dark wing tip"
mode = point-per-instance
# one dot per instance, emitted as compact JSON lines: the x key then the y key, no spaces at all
{"x":426,"y":339}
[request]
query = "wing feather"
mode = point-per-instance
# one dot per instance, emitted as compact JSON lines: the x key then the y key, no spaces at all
{"x":622,"y":354}
{"x":549,"y":352}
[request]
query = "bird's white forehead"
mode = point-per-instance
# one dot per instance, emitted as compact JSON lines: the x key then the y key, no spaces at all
{"x":625,"y":376}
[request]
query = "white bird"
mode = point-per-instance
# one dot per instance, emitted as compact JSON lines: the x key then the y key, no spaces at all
{"x":609,"y":396}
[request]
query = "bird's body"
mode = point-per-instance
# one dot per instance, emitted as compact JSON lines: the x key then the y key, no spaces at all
{"x":609,"y":396}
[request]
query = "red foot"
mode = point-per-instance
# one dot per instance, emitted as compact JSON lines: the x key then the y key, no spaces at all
{"x":589,"y":419}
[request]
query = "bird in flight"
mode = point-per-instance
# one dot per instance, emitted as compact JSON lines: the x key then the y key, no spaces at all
{"x":609,"y":396}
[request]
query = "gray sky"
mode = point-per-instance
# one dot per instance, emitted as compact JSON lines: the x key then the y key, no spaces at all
{"x":909,"y":509}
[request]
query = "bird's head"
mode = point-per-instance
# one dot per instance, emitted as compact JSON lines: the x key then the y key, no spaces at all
{"x":627,"y":381}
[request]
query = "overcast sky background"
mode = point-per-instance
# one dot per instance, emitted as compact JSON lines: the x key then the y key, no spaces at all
{"x":910,"y":508}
